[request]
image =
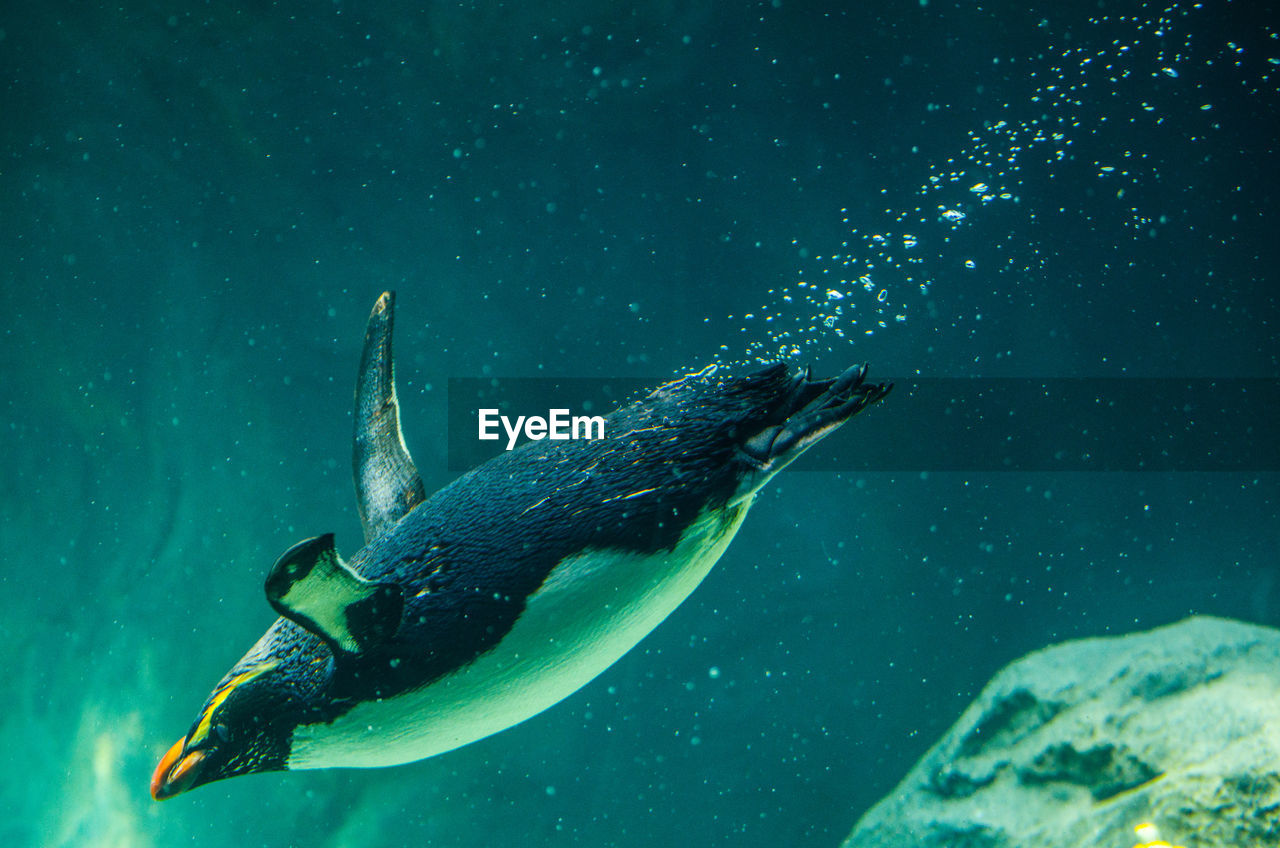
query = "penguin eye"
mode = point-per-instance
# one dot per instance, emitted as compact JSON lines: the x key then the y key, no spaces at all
{"x":221,"y":733}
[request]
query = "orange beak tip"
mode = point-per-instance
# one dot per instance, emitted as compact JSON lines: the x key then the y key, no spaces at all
{"x":176,"y":772}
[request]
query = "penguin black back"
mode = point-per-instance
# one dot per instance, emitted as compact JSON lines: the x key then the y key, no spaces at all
{"x":477,"y":549}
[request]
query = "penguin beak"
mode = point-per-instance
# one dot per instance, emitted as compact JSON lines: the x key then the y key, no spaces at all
{"x":176,"y":771}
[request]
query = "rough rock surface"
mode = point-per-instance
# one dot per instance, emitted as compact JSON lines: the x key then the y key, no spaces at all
{"x":1081,"y":743}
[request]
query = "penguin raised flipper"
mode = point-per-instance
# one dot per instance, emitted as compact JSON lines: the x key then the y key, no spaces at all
{"x":387,"y":482}
{"x":475,"y":608}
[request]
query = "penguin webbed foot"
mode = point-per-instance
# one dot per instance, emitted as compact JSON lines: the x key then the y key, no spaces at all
{"x":816,"y":408}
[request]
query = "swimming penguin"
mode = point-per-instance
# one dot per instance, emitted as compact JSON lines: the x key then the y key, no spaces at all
{"x":509,"y":589}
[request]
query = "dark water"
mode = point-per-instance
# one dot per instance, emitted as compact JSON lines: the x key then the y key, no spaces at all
{"x":200,"y":203}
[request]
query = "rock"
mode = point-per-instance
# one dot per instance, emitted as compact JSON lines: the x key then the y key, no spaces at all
{"x":1168,"y":737}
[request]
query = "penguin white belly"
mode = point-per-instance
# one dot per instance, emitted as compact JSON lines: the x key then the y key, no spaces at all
{"x":592,"y":608}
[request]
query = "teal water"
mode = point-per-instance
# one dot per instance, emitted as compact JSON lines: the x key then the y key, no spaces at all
{"x":200,"y":204}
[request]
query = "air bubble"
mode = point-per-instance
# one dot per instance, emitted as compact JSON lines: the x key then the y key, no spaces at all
{"x":1054,"y":130}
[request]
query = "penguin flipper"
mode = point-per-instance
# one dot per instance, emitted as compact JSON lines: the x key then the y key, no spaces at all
{"x":387,"y":482}
{"x":311,"y":586}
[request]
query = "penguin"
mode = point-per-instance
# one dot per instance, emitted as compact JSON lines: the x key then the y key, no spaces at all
{"x":473,"y":609}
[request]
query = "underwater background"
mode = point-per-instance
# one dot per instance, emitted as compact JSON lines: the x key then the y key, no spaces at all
{"x":201,"y":201}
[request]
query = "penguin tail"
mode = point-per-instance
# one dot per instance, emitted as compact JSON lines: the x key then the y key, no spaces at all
{"x":812,"y":410}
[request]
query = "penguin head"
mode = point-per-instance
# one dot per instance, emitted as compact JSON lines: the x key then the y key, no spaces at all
{"x":290,"y":677}
{"x":245,"y":727}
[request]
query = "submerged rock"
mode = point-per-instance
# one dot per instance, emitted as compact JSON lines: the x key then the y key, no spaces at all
{"x":1168,"y":737}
